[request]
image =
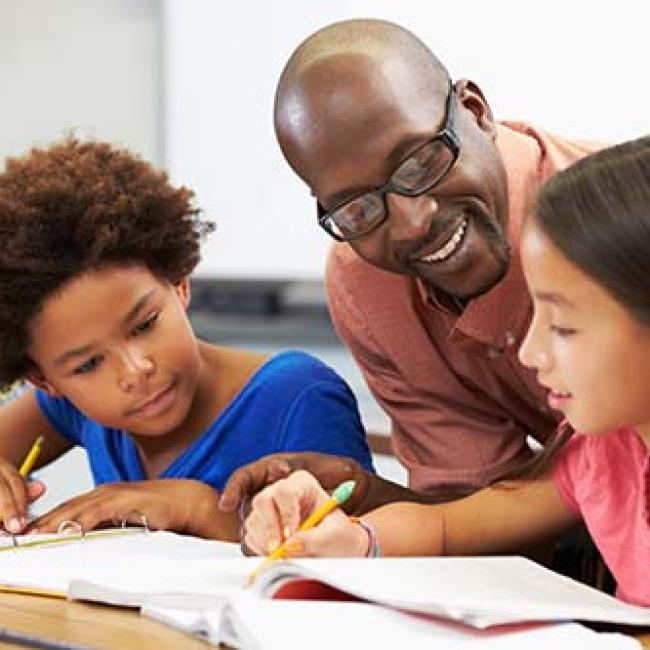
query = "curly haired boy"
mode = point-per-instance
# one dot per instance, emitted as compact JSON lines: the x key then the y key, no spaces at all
{"x":96,"y":250}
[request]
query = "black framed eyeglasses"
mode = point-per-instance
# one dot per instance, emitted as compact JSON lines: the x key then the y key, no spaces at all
{"x":425,"y":168}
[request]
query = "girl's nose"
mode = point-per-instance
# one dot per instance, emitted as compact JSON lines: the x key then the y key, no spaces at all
{"x":533,"y":353}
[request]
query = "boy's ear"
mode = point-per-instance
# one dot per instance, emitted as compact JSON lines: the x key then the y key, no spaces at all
{"x":38,"y":379}
{"x":183,"y":292}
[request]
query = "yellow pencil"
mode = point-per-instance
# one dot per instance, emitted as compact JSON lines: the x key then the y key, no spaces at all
{"x":31,"y":457}
{"x":340,"y":495}
{"x":28,"y":463}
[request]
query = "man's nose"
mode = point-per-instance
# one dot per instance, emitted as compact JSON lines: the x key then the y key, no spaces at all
{"x":135,"y":369}
{"x":410,"y":216}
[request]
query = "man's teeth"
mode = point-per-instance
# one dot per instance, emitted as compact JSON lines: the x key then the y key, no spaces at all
{"x":449,"y":247}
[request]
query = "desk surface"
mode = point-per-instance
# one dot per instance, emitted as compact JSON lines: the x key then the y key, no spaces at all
{"x":99,"y":627}
{"x":95,"y":626}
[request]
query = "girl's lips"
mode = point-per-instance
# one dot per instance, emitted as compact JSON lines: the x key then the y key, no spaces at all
{"x":557,"y":400}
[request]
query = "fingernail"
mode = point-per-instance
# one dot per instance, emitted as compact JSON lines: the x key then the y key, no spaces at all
{"x":295,"y":546}
{"x":14,"y":525}
{"x":286,"y":532}
{"x":271,"y":545}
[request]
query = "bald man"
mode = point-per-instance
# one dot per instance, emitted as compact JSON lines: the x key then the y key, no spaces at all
{"x":425,"y":195}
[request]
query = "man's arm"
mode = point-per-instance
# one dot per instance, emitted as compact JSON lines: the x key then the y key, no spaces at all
{"x":371,"y":491}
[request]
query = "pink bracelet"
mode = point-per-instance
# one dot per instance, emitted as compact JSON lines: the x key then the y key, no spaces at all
{"x":374,"y":550}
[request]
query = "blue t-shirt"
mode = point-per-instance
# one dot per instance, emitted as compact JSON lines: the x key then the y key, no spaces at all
{"x":293,"y":402}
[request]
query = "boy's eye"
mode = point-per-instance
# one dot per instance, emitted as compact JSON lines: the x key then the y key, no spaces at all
{"x":562,"y":331}
{"x":146,"y":324}
{"x":88,"y":366}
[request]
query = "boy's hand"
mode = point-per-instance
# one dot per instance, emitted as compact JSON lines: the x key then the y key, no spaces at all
{"x":277,"y":512}
{"x":180,"y":505}
{"x":15,"y":495}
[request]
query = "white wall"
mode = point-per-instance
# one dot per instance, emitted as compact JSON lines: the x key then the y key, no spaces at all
{"x":89,"y":65}
{"x":99,"y":66}
{"x":573,"y":66}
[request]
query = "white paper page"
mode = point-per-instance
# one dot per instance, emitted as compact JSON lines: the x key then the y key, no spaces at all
{"x":295,"y":625}
{"x":139,"y":563}
{"x":204,"y":623}
{"x":482,"y":591}
{"x":561,"y":636}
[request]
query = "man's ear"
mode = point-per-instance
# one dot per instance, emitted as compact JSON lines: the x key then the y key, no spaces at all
{"x":38,"y":379}
{"x":182,"y":290}
{"x":471,"y":97}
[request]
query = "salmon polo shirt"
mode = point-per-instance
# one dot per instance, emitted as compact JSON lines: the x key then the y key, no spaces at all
{"x":604,"y":479}
{"x":460,"y":403}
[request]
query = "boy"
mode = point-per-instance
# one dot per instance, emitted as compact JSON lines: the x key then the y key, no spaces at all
{"x":96,"y":251}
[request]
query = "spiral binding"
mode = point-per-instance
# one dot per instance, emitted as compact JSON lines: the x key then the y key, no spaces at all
{"x":70,"y":531}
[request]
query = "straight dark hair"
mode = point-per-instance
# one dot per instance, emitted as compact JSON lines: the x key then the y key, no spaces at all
{"x":597,"y":213}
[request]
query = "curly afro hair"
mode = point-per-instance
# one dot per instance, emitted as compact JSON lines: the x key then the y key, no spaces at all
{"x":77,"y":206}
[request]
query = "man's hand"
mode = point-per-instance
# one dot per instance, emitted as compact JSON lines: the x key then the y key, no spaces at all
{"x":329,"y":470}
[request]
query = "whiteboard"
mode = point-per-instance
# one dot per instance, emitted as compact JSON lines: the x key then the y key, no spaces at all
{"x":575,"y":67}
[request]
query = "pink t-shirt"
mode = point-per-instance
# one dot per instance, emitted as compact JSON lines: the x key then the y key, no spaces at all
{"x":604,"y":479}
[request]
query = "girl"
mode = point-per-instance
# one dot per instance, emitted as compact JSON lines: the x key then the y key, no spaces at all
{"x":586,"y":255}
{"x":96,"y":251}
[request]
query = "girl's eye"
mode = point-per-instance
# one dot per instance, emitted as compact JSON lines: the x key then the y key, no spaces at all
{"x":88,"y":366}
{"x":562,"y":331}
{"x":146,"y":325}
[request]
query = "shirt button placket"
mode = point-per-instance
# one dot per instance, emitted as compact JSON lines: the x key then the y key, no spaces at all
{"x":493,"y":353}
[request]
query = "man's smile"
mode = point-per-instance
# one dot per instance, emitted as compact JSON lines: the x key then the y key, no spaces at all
{"x":449,"y":246}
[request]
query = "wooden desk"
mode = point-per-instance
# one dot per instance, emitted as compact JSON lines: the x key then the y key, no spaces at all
{"x":100,"y":627}
{"x":95,"y":626}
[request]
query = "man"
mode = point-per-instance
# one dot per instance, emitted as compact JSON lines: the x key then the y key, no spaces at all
{"x":425,"y":194}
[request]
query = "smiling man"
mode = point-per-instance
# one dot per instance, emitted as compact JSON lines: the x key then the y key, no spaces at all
{"x":425,"y":194}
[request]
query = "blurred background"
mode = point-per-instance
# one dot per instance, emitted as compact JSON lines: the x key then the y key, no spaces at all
{"x":189,"y":85}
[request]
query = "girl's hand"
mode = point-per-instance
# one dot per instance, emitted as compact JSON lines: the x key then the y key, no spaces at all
{"x":15,"y":494}
{"x":277,"y":512}
{"x":180,"y":505}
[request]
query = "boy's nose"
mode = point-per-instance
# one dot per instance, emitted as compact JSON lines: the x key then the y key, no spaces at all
{"x":135,"y":372}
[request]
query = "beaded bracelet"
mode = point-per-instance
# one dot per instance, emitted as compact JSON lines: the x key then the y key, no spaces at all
{"x":374,"y":550}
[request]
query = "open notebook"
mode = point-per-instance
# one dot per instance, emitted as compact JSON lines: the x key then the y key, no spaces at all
{"x":166,"y":570}
{"x":257,"y":624}
{"x":130,"y":567}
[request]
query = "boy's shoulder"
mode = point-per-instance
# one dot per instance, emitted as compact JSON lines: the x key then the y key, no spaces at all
{"x":296,"y":366}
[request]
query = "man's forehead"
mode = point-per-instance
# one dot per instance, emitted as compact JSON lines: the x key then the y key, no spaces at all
{"x":352,"y":110}
{"x":354,"y":92}
{"x":388,"y":77}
